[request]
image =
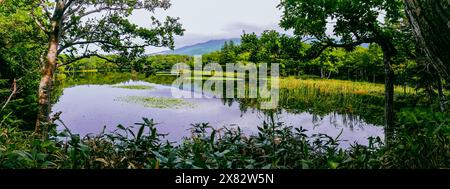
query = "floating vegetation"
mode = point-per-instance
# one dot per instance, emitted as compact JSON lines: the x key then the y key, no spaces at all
{"x":135,"y":87}
{"x":158,"y":102}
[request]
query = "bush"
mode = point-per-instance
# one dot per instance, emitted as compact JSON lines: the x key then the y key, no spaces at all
{"x":422,"y":141}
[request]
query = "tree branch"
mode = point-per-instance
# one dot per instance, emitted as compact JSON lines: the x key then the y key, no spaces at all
{"x":14,"y":91}
{"x":47,"y":12}
{"x":38,"y":22}
{"x":87,"y":56}
{"x":329,"y":43}
{"x":103,"y":42}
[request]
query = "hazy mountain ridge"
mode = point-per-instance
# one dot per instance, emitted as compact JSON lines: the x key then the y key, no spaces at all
{"x":201,"y":48}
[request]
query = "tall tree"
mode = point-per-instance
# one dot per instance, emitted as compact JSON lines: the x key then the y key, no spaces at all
{"x":347,"y":24}
{"x":21,"y":45}
{"x":430,"y":21}
{"x":88,"y":28}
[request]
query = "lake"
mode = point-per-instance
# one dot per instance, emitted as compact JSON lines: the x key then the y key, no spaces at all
{"x":90,"y":101}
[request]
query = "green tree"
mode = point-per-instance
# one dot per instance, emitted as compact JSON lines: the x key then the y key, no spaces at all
{"x":228,"y":53}
{"x":251,"y":45}
{"x":353,"y":23}
{"x":87,"y":28}
{"x":430,"y":23}
{"x":21,"y":46}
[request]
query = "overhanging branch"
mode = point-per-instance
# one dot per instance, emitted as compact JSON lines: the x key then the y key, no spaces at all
{"x":87,"y":56}
{"x":327,"y":44}
{"x":38,"y":22}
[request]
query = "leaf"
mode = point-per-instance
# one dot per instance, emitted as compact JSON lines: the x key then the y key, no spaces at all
{"x":267,"y":166}
{"x":141,"y":131}
{"x":102,"y":161}
{"x":160,"y":157}
{"x":121,"y":127}
{"x":333,"y":165}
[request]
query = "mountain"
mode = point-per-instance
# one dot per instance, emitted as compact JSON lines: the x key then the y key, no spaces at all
{"x":201,"y":48}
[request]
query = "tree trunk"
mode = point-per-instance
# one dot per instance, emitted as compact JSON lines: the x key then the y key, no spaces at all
{"x":431,"y":25}
{"x":46,"y":84}
{"x":48,"y":70}
{"x":389,"y":112}
{"x":442,"y":98}
{"x":348,"y":74}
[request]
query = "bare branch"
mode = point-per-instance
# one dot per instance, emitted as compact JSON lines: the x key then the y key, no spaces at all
{"x":72,"y":11}
{"x":103,"y":43}
{"x":14,"y":91}
{"x":69,"y":3}
{"x":102,"y":9}
{"x":45,"y":8}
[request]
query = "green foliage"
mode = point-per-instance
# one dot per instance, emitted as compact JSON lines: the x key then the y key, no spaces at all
{"x":110,"y":33}
{"x":356,"y":20}
{"x":422,"y":140}
{"x":228,"y":53}
{"x":92,"y":63}
{"x":422,"y":143}
{"x":20,"y":49}
{"x":161,"y":63}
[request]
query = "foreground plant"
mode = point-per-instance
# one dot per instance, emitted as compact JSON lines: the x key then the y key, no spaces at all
{"x":422,"y":142}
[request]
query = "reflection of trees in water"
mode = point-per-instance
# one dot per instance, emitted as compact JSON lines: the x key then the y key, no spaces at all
{"x":348,"y":111}
{"x":72,"y":79}
{"x":348,"y":120}
{"x":340,"y":120}
{"x":353,"y":120}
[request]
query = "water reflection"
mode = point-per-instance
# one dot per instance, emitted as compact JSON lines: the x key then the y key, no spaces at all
{"x":89,"y":102}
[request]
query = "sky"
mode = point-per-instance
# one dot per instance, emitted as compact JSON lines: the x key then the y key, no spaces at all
{"x":206,"y":20}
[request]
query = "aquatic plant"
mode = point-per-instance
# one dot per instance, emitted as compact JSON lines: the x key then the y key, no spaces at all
{"x":158,"y":102}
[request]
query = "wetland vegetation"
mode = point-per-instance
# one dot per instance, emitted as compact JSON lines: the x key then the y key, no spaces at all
{"x":369,"y":98}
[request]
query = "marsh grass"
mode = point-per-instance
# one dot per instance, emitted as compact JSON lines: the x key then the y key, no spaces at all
{"x":135,"y":87}
{"x":158,"y":102}
{"x":332,"y":86}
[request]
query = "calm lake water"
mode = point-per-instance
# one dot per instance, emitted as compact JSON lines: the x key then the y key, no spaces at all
{"x":88,"y":104}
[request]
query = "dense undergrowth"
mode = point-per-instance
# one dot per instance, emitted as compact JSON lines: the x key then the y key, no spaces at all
{"x":422,"y":141}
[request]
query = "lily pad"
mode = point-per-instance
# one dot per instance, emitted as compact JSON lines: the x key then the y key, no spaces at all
{"x":158,"y":102}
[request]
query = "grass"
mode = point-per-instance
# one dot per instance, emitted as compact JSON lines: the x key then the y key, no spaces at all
{"x":331,"y":86}
{"x":158,"y":102}
{"x":135,"y":87}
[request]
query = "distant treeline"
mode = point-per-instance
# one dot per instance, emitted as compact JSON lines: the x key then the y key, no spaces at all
{"x":362,"y":63}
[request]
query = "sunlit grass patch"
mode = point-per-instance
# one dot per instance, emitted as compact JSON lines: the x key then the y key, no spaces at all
{"x":158,"y":102}
{"x":135,"y":87}
{"x":331,"y":86}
